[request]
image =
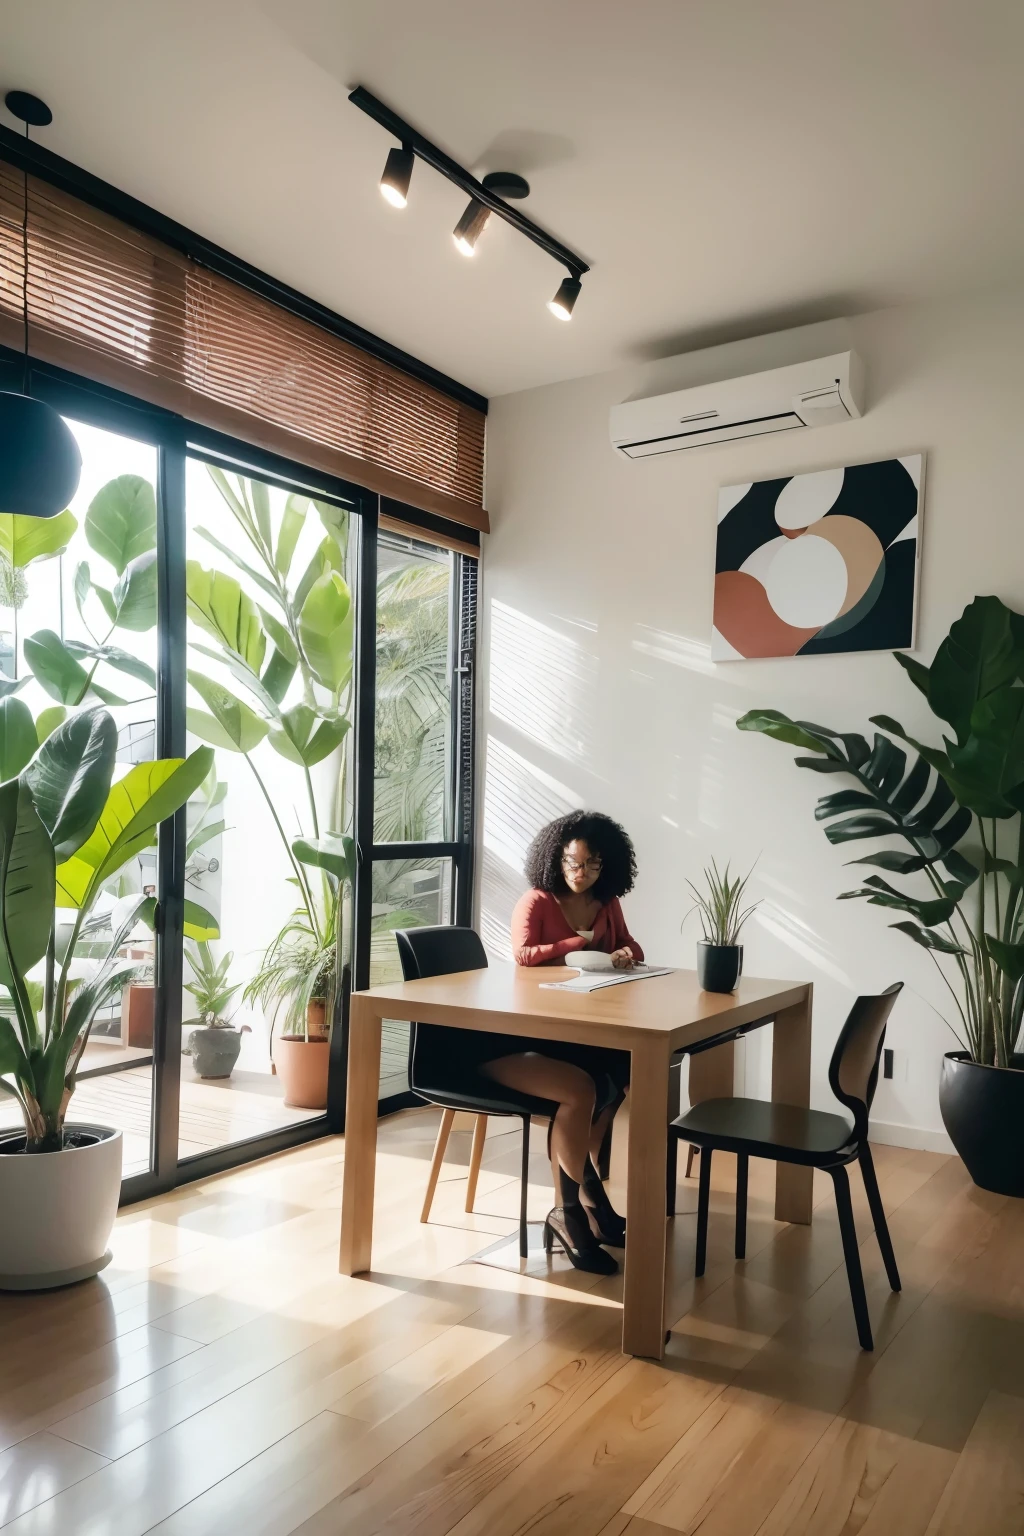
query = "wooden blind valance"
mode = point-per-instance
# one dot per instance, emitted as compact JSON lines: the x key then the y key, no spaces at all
{"x":119,"y":307}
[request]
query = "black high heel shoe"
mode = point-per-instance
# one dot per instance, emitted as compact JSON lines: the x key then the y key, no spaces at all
{"x":569,"y":1224}
{"x":605,"y":1222}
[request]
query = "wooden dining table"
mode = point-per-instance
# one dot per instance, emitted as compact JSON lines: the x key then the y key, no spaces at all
{"x":653,"y":1018}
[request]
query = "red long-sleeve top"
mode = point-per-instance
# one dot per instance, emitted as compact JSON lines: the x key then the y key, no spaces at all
{"x":542,"y":936}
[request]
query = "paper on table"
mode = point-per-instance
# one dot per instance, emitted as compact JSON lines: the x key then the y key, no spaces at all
{"x":591,"y":981}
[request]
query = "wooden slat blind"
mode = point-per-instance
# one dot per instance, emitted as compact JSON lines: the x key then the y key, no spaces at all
{"x":114,"y":305}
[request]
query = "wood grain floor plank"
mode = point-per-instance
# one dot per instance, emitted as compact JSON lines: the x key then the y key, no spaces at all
{"x":986,"y":1489}
{"x":37,"y":1469}
{"x":862,"y":1479}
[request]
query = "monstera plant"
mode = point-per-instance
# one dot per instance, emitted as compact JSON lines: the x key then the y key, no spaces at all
{"x":953,"y":812}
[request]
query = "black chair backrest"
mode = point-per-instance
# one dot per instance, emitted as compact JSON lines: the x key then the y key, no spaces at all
{"x":437,"y":951}
{"x":853,"y":1070}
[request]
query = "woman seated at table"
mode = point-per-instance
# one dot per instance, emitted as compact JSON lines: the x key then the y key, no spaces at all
{"x":578,"y":867}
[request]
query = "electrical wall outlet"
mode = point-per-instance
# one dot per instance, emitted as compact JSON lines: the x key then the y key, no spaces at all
{"x":895,"y":1065}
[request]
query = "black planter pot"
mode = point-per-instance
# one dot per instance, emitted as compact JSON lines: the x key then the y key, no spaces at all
{"x":719,"y":966}
{"x":983,"y":1111}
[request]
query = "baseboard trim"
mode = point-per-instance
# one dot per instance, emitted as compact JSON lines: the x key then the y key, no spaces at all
{"x":914,"y":1136}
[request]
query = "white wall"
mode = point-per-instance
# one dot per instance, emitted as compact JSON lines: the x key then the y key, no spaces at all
{"x":599,"y":689}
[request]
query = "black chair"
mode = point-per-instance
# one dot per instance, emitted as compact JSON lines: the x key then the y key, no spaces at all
{"x":814,"y":1138}
{"x":435,"y":1073}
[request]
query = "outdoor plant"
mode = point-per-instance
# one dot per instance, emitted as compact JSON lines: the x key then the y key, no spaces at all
{"x":120,"y":528}
{"x":298,"y":645}
{"x":956,"y":810}
{"x":210,"y":986}
{"x":300,"y":964}
{"x":66,"y":830}
{"x":412,"y":704}
{"x":720,"y":906}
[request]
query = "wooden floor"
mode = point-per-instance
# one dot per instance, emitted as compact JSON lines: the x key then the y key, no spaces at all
{"x":222,"y":1378}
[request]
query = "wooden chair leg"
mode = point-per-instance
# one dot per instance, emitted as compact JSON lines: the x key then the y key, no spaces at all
{"x":524,"y":1232}
{"x":703,"y":1204}
{"x":867,"y":1169}
{"x":852,"y":1254}
{"x":475,"y":1158}
{"x":691,"y":1153}
{"x":671,"y":1174}
{"x":742,"y":1166}
{"x":444,"y":1130}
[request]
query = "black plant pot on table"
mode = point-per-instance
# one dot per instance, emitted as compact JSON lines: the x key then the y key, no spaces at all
{"x":983,"y":1111}
{"x":719,"y":966}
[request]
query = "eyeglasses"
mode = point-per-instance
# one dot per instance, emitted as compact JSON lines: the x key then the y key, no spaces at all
{"x":590,"y":866}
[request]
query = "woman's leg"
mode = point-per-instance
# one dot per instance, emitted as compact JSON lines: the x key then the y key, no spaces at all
{"x":569,"y":1087}
{"x":573,"y":1091}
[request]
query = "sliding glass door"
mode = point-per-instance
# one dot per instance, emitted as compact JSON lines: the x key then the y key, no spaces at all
{"x":271,"y":610}
{"x":78,"y":619}
{"x":209,"y":594}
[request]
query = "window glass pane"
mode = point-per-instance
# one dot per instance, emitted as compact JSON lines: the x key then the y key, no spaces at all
{"x":78,"y":629}
{"x":407,"y":893}
{"x":270,"y":627}
{"x":412,"y":770}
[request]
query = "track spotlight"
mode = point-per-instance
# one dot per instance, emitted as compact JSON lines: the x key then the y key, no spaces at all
{"x":562,"y":303}
{"x":470,"y":227}
{"x":394,"y":184}
{"x":504,"y":184}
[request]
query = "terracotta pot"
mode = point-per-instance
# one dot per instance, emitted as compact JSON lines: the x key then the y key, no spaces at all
{"x":137,"y":1014}
{"x":302,"y":1067}
{"x":58,"y":1208}
{"x":316,"y":1018}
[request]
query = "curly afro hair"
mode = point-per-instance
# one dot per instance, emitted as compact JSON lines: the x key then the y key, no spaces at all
{"x":602,"y":836}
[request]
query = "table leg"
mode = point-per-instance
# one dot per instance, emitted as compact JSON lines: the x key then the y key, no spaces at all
{"x":712,"y":1073}
{"x":360,"y":1138}
{"x":791,"y":1084}
{"x":643,"y":1315}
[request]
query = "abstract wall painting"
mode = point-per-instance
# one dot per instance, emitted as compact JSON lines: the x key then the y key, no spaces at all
{"x":819,"y":563}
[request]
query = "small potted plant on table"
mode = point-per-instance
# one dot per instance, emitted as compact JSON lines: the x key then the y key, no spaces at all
{"x":215,"y":1042}
{"x":719,"y":953}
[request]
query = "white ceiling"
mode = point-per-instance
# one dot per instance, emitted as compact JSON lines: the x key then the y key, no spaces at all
{"x":728,"y":167}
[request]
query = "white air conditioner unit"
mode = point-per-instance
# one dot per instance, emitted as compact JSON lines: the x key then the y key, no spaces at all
{"x":814,"y":394}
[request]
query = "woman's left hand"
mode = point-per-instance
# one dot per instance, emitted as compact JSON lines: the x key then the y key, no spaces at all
{"x":622,"y":959}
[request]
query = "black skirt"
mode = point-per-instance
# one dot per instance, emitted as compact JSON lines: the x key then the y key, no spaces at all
{"x":476,"y":1047}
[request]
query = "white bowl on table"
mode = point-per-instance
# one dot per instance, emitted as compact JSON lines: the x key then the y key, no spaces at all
{"x":590,"y":960}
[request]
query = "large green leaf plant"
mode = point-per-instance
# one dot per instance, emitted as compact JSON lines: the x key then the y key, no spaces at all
{"x":67,"y":829}
{"x":292,"y":656}
{"x":120,"y":529}
{"x":954,"y":813}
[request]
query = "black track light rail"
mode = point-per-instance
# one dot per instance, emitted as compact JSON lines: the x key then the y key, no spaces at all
{"x":449,"y":168}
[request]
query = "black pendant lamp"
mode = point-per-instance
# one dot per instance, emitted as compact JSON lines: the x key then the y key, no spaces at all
{"x":40,"y":464}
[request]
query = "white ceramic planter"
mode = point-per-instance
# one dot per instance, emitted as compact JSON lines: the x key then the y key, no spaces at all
{"x":57,"y":1211}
